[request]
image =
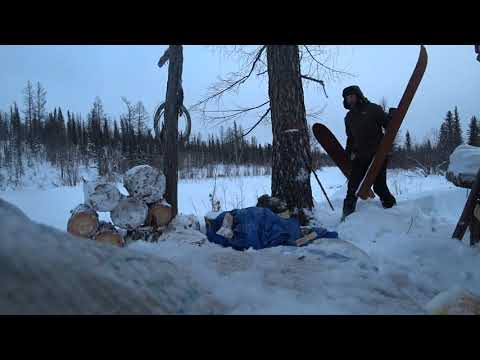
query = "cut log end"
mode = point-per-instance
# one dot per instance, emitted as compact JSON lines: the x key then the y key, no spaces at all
{"x":83,"y":221}
{"x":129,"y":214}
{"x":110,"y":237}
{"x":107,"y":233}
{"x":159,"y":214}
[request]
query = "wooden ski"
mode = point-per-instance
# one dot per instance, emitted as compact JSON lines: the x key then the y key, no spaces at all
{"x":334,"y":149}
{"x":394,"y":125}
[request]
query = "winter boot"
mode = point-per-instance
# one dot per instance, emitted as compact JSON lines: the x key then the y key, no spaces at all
{"x":349,"y":205}
{"x":389,"y":202}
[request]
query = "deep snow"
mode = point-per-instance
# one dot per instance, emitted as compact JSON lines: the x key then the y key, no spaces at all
{"x":386,"y":261}
{"x":46,"y":271}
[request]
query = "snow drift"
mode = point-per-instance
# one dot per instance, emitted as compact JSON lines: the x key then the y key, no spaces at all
{"x":46,"y":271}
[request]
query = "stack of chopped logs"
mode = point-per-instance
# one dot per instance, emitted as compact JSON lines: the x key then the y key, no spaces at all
{"x":142,"y":215}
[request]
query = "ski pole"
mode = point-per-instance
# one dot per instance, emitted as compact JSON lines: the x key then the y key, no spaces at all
{"x":324,"y":193}
{"x":318,"y":180}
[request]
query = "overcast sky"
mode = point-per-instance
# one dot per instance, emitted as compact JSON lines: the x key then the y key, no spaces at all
{"x":75,"y":75}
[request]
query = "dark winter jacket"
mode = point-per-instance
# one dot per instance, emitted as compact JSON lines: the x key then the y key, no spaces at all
{"x":363,"y":126}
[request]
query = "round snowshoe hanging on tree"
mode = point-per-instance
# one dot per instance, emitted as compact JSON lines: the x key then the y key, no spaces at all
{"x":159,"y":124}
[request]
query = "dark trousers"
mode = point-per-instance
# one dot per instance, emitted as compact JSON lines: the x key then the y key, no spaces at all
{"x":359,"y":169}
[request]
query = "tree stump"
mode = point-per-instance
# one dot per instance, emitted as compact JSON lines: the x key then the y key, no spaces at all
{"x":159,"y":214}
{"x":107,"y":233}
{"x":130,"y":213}
{"x":100,"y":195}
{"x":145,"y":183}
{"x":83,"y":221}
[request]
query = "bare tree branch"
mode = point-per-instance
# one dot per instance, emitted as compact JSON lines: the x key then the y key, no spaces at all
{"x":235,"y":83}
{"x":239,"y":110}
{"x":228,"y":115}
{"x":256,"y":124}
{"x":323,"y":65}
{"x":316,"y":114}
{"x":253,"y":63}
{"x":318,"y":81}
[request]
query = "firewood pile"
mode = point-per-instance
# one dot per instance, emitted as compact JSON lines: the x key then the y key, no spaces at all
{"x":142,"y":215}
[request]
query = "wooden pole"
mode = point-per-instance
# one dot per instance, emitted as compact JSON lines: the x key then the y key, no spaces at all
{"x":173,"y":102}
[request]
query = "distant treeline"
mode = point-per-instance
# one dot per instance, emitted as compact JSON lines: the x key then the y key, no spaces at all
{"x":70,"y":141}
{"x":432,"y":155}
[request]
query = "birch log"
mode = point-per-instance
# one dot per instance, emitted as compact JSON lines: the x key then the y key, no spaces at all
{"x":159,"y":214}
{"x":145,"y":183}
{"x":100,"y":195}
{"x":107,"y":233}
{"x":130,"y":213}
{"x":83,"y":221}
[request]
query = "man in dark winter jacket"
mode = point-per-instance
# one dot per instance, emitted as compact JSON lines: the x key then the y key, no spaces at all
{"x":363,"y":124}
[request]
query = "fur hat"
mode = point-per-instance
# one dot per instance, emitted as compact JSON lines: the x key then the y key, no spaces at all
{"x":354,"y":89}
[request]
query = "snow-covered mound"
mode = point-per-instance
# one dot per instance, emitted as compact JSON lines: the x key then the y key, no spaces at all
{"x":329,"y":277}
{"x":455,"y":301}
{"x":46,"y":271}
{"x":464,"y":162}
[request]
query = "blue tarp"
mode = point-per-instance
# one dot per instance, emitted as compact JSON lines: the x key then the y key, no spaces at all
{"x":259,"y":228}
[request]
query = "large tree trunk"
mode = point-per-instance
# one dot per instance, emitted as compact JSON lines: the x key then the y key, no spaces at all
{"x":291,"y":147}
{"x":173,"y":102}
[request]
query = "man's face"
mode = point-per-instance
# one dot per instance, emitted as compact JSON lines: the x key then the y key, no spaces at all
{"x":351,"y":100}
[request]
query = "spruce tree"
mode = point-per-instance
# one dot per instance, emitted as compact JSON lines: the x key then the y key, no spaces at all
{"x":473,"y":132}
{"x":446,"y":142}
{"x":28,"y":111}
{"x":106,"y":133}
{"x":408,"y":142}
{"x":16,"y":144}
{"x":457,"y":137}
{"x":116,"y":134}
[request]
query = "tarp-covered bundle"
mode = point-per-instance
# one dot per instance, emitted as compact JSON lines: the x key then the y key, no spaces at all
{"x":259,"y":228}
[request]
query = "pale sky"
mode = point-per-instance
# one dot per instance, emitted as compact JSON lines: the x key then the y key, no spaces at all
{"x":74,"y":75}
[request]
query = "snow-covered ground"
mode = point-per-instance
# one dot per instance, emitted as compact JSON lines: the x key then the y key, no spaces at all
{"x":385,"y":261}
